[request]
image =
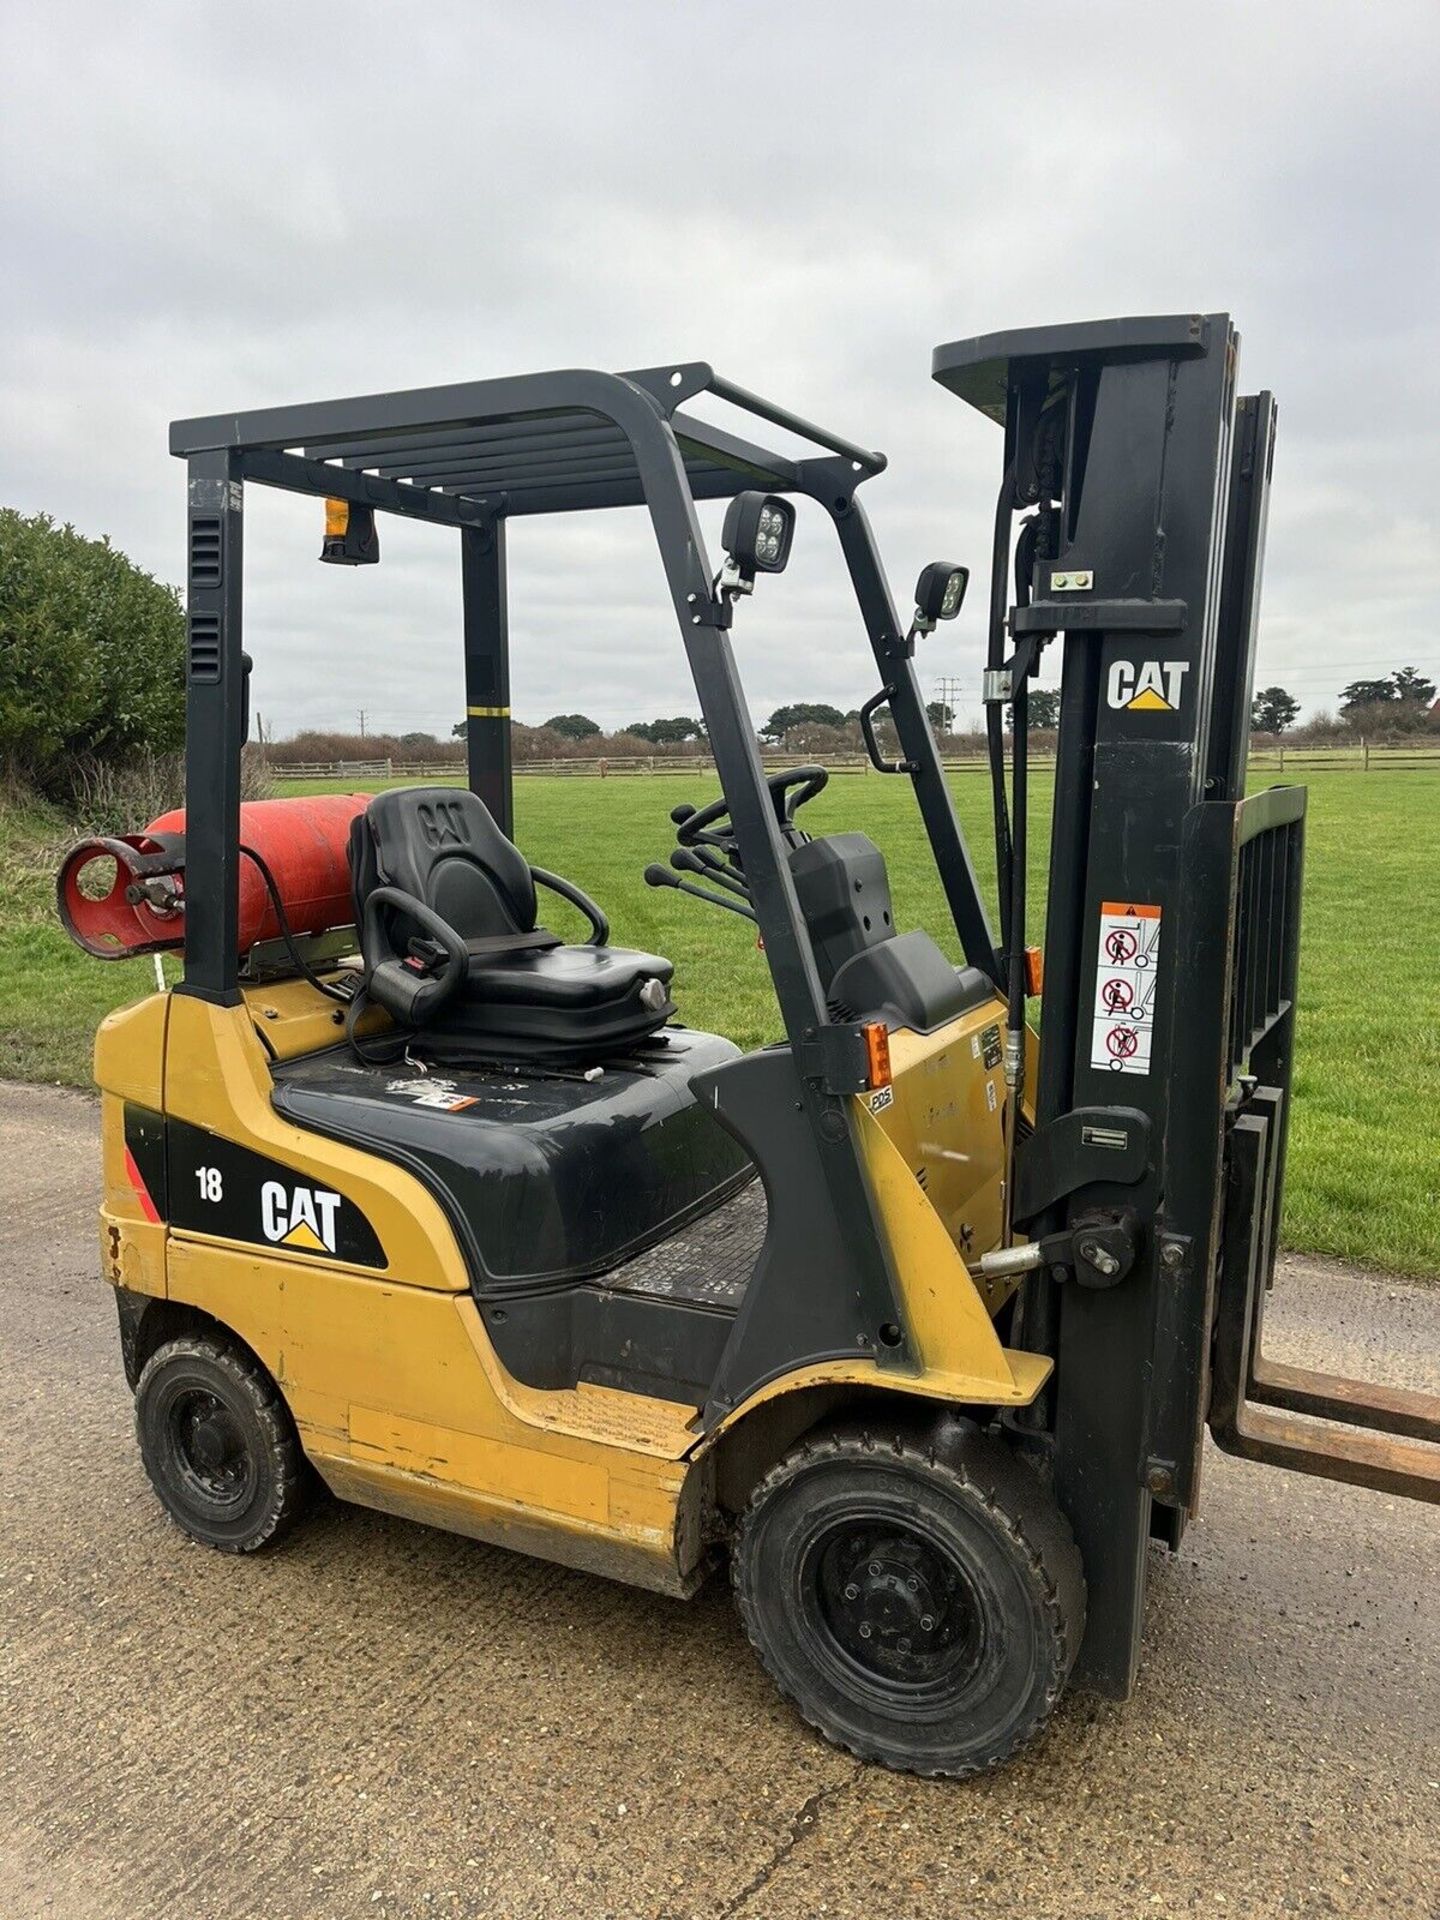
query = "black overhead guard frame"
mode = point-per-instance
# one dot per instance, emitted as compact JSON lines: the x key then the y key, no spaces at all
{"x":471,"y":457}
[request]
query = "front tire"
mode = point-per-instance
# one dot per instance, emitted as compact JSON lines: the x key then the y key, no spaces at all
{"x":219,"y":1445}
{"x":918,"y":1597}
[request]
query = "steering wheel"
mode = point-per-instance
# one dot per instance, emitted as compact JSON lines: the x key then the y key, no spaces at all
{"x":789,"y":791}
{"x":410,"y":989}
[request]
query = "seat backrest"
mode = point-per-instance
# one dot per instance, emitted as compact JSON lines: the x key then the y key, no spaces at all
{"x":442,"y":845}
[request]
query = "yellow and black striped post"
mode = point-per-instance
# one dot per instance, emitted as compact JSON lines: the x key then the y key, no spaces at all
{"x":487,"y":669}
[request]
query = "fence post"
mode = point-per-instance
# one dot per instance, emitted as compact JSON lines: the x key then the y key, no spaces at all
{"x":1282,"y":756}
{"x":602,"y":769}
{"x":1365,"y":749}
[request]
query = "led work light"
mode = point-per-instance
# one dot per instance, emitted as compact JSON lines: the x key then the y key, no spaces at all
{"x":939,"y":594}
{"x":757,"y":533}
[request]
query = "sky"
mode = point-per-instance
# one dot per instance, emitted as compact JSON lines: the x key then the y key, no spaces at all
{"x":206,"y":209}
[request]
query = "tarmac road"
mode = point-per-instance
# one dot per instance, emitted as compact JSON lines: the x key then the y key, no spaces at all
{"x":382,"y":1720}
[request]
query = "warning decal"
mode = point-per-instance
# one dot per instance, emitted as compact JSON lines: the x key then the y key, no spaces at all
{"x":1125,"y":987}
{"x":431,"y":1092}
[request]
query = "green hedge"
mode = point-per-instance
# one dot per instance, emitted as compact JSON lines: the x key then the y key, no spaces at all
{"x":92,"y":655}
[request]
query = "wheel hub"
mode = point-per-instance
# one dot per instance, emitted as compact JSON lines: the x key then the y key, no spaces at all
{"x":897,"y":1606}
{"x":210,"y":1446}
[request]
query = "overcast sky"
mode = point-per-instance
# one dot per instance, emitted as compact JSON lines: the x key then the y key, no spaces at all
{"x":207,"y":208}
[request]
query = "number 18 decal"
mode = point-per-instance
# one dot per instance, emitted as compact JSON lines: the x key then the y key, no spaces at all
{"x":212,"y":1187}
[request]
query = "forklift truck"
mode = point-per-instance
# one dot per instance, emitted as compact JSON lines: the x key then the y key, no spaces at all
{"x":915,"y":1319}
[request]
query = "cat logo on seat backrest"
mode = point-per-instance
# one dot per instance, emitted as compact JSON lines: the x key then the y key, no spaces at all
{"x":443,"y":823}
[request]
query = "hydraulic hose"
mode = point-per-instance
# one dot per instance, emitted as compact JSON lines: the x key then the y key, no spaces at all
{"x":1015,"y":929}
{"x":287,"y":934}
{"x":994,"y":713}
{"x":1020,"y":807}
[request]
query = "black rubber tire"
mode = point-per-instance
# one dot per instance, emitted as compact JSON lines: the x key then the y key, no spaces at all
{"x":998,"y":1569}
{"x":219,"y":1444}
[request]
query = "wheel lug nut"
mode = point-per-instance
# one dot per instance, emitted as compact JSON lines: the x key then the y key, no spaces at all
{"x":913,"y":1584}
{"x":865,"y":1629}
{"x":852,"y":1592}
{"x":874,"y":1569}
{"x":903,"y":1643}
{"x":926,"y":1623}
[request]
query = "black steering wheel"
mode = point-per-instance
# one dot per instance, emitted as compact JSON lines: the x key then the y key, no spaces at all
{"x":790,"y":789}
{"x":412,"y":988}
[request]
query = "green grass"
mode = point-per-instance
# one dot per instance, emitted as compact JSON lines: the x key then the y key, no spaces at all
{"x":51,"y":994}
{"x":1364,"y":1171}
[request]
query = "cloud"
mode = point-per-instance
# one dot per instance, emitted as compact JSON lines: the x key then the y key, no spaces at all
{"x":206,"y":209}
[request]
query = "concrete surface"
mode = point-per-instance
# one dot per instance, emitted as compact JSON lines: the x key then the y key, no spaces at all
{"x":382,"y":1720}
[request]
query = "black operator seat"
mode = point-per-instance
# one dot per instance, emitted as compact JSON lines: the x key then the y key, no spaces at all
{"x":447,"y":911}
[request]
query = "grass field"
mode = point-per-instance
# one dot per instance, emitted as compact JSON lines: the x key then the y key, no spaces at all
{"x":1364,"y":1177}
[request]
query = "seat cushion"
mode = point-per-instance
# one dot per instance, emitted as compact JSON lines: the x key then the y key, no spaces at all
{"x":566,"y":979}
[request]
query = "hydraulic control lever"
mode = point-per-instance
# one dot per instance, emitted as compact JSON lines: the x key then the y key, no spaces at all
{"x":708,"y":864}
{"x":658,"y":876}
{"x":707,"y":848}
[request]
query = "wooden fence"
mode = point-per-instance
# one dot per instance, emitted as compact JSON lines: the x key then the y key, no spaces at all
{"x":598,"y":768}
{"x":1361,"y":758}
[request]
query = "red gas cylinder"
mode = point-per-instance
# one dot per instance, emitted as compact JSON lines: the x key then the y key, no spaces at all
{"x":304,"y":842}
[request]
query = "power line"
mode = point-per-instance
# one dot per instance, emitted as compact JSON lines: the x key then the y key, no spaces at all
{"x":1323,"y":667}
{"x":950,"y":690}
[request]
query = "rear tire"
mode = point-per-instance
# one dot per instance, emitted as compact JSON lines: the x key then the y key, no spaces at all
{"x":919,"y":1597}
{"x":219,"y":1445}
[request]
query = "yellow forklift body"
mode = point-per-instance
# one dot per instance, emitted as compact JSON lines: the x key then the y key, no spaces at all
{"x":399,"y":1398}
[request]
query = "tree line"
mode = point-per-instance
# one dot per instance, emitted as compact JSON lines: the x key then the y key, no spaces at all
{"x":1399,"y":703}
{"x":800,"y":716}
{"x":92,"y":677}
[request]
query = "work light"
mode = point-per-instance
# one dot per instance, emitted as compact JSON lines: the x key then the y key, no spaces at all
{"x":350,"y":536}
{"x":757,"y":532}
{"x":939,"y":593}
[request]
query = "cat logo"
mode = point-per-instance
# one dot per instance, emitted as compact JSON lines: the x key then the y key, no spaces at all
{"x":1152,"y":686}
{"x":443,"y":823}
{"x":303,"y":1217}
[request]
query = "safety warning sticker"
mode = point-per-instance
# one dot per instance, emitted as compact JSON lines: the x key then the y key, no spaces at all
{"x":1125,"y":987}
{"x":431,"y":1093}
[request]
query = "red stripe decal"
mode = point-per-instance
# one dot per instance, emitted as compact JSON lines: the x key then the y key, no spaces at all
{"x":147,"y":1205}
